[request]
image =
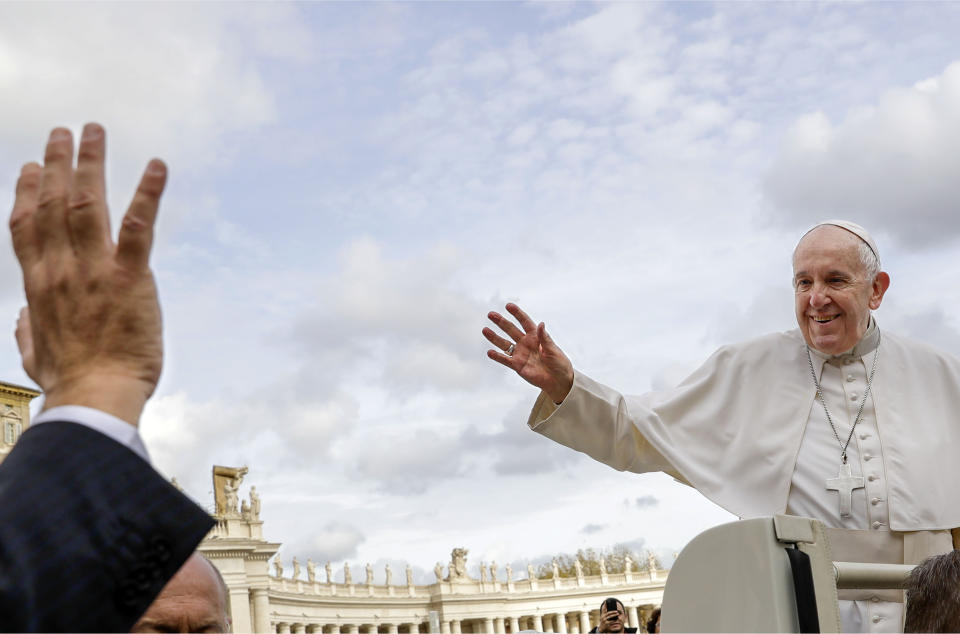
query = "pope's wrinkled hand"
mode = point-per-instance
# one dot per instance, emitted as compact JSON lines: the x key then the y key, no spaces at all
{"x":531,"y":353}
{"x":91,"y":334}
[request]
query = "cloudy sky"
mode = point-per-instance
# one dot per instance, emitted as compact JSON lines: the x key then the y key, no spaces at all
{"x":353,"y":187}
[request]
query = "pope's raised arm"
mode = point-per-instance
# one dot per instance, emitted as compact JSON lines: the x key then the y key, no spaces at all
{"x":531,"y":353}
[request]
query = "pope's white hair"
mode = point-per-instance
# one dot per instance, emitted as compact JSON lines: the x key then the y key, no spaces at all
{"x":869,"y":259}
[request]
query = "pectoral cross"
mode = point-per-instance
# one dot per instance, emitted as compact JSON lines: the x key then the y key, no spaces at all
{"x":844,"y":484}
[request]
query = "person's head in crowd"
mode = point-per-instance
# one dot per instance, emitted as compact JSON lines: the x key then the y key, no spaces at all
{"x":653,"y":625}
{"x":612,"y":616}
{"x":933,"y":595}
{"x":195,"y":600}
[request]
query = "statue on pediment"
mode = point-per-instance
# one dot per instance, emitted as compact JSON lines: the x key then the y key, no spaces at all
{"x":458,"y":565}
{"x":226,"y":488}
{"x":254,"y":504}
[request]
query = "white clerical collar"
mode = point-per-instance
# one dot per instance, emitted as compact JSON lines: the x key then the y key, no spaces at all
{"x":867,"y":344}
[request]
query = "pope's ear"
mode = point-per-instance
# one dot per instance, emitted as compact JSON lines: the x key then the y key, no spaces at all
{"x":880,"y":285}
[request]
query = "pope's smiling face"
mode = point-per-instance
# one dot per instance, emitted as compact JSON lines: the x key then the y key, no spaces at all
{"x":834,"y":295}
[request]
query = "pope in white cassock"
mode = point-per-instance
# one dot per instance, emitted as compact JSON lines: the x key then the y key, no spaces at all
{"x":837,"y":420}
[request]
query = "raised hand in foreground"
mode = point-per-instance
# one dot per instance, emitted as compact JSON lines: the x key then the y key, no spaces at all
{"x":91,"y":332}
{"x":531,"y":353}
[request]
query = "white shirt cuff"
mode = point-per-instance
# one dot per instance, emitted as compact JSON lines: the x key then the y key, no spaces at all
{"x":117,"y":429}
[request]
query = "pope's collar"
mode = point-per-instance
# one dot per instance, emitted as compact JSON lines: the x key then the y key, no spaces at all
{"x":867,"y":344}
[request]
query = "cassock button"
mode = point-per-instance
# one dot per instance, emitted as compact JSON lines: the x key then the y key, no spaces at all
{"x":875,"y":501}
{"x":877,"y":525}
{"x":875,"y":599}
{"x":872,"y":477}
{"x":876,"y":618}
{"x":853,"y":396}
{"x":867,"y":457}
{"x":864,"y":436}
{"x":847,"y":361}
{"x":851,"y":378}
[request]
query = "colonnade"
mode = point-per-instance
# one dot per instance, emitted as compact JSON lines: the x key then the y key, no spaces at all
{"x":575,"y":622}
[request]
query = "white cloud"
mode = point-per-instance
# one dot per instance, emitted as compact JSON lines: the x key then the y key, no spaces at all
{"x":893,"y":164}
{"x":335,"y":541}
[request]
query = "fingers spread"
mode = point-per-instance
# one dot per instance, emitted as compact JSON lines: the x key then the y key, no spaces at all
{"x":51,"y":226}
{"x":22,"y":217}
{"x":522,"y":317}
{"x":506,"y":325}
{"x":136,"y":231}
{"x":87,"y":217}
{"x":496,"y":339}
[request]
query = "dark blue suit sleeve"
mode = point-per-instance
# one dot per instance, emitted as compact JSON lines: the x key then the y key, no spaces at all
{"x":89,"y":532}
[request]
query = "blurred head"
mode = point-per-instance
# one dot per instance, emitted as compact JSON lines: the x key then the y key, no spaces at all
{"x":933,"y":595}
{"x":836,"y":282}
{"x":611,"y":620}
{"x":653,"y":625}
{"x":194,"y":600}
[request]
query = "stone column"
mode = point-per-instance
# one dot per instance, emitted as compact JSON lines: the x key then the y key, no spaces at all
{"x":573,"y":623}
{"x":455,"y":627}
{"x":414,"y":628}
{"x":538,"y":622}
{"x":261,"y":612}
{"x":514,"y":625}
{"x":498,"y":625}
{"x":239,"y":600}
{"x":353,"y":629}
{"x":561,"y":627}
{"x":584,"y":622}
{"x":488,"y":625}
{"x":334,"y":629}
{"x":444,"y":627}
{"x":632,"y":616}
{"x":283,"y":628}
{"x":392,"y":628}
{"x":298,"y":628}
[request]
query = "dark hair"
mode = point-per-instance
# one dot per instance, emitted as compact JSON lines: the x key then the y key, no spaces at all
{"x":652,"y":623}
{"x":619,"y":602}
{"x":933,"y":595}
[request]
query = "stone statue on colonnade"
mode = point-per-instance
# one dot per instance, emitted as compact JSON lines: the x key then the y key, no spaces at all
{"x":226,"y":485}
{"x":458,"y":565}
